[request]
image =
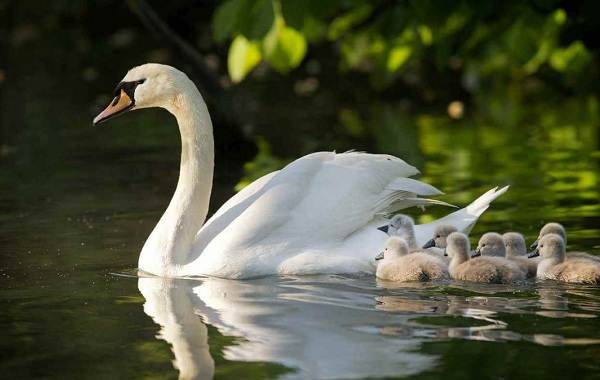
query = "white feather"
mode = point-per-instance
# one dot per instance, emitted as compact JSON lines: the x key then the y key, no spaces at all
{"x":319,"y":214}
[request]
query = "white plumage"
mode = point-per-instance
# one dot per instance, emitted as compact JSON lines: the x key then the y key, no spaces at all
{"x":319,"y":214}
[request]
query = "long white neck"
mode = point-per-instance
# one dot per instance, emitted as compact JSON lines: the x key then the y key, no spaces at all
{"x":169,"y":244}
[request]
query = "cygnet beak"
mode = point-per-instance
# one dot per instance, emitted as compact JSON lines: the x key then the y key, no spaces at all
{"x":429,"y":244}
{"x":477,"y":253}
{"x":535,"y":253}
{"x":380,"y":256}
{"x":534,"y":244}
{"x":384,"y":228}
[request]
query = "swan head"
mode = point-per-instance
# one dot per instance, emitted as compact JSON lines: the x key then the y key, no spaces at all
{"x":490,"y":244}
{"x":551,"y":228}
{"x":440,"y":235}
{"x":458,"y":246}
{"x":551,"y":246}
{"x":514,"y":243}
{"x":145,"y":86}
{"x":394,"y":247}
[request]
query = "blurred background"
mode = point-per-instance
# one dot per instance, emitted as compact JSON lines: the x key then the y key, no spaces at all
{"x":475,"y":94}
{"x":284,"y":78}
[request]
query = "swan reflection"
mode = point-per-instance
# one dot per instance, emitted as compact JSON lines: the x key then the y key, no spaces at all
{"x":341,"y":327}
{"x":170,"y":305}
{"x":314,"y":327}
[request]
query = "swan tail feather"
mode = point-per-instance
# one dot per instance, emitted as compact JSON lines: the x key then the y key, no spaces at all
{"x":402,"y":193}
{"x":422,"y":202}
{"x":479,"y":205}
{"x":410,"y":185}
{"x":463,"y":219}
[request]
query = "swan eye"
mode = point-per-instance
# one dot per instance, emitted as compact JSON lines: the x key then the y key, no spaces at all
{"x":483,"y":245}
{"x":437,"y":236}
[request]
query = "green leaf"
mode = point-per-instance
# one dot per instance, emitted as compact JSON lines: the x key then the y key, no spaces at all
{"x":572,"y":58}
{"x":225,"y":19}
{"x":343,"y":23}
{"x":426,"y":35}
{"x":284,"y":47}
{"x":397,"y":57}
{"x":243,"y":56}
{"x":252,"y":18}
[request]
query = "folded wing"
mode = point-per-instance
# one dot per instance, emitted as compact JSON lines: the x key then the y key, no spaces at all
{"x":317,"y":200}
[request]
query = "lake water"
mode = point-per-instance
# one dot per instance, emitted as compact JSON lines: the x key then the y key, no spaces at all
{"x":72,"y":224}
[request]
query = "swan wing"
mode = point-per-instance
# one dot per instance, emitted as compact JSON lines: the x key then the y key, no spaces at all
{"x":231,"y":210}
{"x":317,"y":201}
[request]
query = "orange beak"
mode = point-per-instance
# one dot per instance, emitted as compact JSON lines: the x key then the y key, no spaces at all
{"x":120,"y":104}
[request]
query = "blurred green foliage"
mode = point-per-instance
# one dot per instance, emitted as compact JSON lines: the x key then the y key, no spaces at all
{"x":405,"y":40}
{"x":504,"y":63}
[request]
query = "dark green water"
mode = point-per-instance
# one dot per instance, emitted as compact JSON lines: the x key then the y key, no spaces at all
{"x":72,"y":224}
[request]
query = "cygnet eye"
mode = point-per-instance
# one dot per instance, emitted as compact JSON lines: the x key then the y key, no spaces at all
{"x":437,"y":236}
{"x":542,"y":246}
{"x":483,"y":245}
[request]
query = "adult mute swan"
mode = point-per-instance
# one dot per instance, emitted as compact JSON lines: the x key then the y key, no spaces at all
{"x":319,"y":214}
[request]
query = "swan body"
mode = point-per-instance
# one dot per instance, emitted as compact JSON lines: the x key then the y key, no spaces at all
{"x":319,"y":214}
{"x":492,"y":270}
{"x":397,"y":263}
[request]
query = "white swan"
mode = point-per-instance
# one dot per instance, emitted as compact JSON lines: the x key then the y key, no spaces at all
{"x":319,"y":214}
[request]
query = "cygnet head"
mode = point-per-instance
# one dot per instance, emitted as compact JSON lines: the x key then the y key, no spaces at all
{"x":394,"y":247}
{"x":401,"y":221}
{"x":458,"y":246}
{"x":403,"y":226}
{"x":514,"y":243}
{"x":149,"y":85}
{"x":551,"y":228}
{"x":551,"y":246}
{"x":490,"y":244}
{"x":440,"y":235}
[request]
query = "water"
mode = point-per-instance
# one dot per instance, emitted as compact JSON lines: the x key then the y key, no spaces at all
{"x":72,"y":305}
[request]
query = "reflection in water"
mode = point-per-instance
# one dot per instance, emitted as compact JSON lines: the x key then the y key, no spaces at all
{"x":171,"y":306}
{"x":333,"y":326}
{"x":314,"y":328}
